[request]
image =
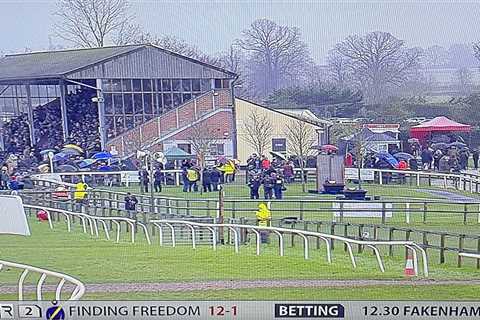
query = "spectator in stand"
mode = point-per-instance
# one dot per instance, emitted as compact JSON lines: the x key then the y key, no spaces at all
{"x":278,"y":186}
{"x":3,"y":179}
{"x":265,"y":164}
{"x":144,"y":180}
{"x":268,"y":184}
{"x":436,"y":159}
{"x":427,"y":158}
{"x":13,"y":184}
{"x":157,"y":180}
{"x":254,"y":185}
{"x":475,"y":155}
{"x":215,"y":178}
{"x":288,"y":173}
{"x":130,"y":205}
{"x":193,"y":177}
{"x":348,"y":160}
{"x":206,"y":180}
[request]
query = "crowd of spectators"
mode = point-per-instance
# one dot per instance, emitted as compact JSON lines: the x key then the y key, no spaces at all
{"x":271,"y":174}
{"x":82,"y":120}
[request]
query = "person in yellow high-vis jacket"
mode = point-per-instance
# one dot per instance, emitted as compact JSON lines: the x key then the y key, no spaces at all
{"x":80,"y":194}
{"x":264,"y":216}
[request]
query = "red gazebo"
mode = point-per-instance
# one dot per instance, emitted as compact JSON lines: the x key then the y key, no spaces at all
{"x":438,"y":125}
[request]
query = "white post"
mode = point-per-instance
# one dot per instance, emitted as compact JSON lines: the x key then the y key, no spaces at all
{"x":50,"y":158}
{"x":418,"y":179}
{"x":478,"y":220}
{"x":407,"y":213}
{"x":380,"y":174}
{"x":445,"y":182}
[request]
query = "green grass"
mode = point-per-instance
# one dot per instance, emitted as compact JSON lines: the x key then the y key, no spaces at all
{"x":403,"y":292}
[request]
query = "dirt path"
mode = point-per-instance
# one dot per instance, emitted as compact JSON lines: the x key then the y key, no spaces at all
{"x":241,"y":284}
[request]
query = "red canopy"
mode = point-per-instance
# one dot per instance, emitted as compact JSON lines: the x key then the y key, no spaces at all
{"x":438,"y":124}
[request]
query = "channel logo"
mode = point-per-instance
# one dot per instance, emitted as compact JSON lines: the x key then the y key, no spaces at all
{"x":296,"y":310}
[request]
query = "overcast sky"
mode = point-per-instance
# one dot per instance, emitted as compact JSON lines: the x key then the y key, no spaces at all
{"x":213,"y":25}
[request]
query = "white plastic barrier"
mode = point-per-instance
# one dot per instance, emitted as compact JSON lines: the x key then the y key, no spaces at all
{"x":327,"y":238}
{"x":76,"y":294}
{"x":93,"y":221}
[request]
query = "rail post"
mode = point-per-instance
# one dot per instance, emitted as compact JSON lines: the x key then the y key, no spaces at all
{"x":407,"y":213}
{"x":461,"y":241}
{"x":360,"y":233}
{"x":332,"y":231}
{"x":383,"y":213}
{"x":407,"y":238}
{"x":424,"y":215}
{"x":318,"y":230}
{"x":345,"y":234}
{"x":465,"y":213}
{"x":442,"y":248}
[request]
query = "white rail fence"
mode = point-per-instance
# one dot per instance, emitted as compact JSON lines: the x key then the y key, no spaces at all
{"x":327,"y":238}
{"x":77,"y":293}
{"x":93,"y":222}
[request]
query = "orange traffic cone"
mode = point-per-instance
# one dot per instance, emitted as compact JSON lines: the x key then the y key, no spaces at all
{"x":409,"y":269}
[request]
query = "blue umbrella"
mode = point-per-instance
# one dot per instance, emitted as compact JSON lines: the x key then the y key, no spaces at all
{"x":104,"y":155}
{"x":86,"y":163}
{"x":104,"y":168}
{"x":388,"y":158}
{"x":60,"y":157}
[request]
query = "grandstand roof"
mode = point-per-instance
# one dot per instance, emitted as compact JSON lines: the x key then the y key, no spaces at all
{"x":65,"y":63}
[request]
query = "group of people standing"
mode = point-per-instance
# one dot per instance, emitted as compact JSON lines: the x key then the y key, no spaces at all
{"x":451,"y":159}
{"x":271,"y":174}
{"x":211,"y":177}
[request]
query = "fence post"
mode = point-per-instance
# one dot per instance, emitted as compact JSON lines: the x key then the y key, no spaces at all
{"x":461,"y":240}
{"x":318,"y":230}
{"x":332,"y":231}
{"x":418,"y":179}
{"x":442,"y":248}
{"x":478,"y":250}
{"x":424,"y":218}
{"x":345,"y":234}
{"x":234,"y":209}
{"x":407,"y":213}
{"x":425,"y":240}
{"x":383,"y":212}
{"x":341,"y":212}
{"x":360,"y":233}
{"x":465,"y":212}
{"x":407,"y":238}
{"x":301,"y":210}
{"x":292,"y":235}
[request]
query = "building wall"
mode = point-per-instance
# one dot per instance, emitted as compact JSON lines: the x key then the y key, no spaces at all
{"x":279,"y":121}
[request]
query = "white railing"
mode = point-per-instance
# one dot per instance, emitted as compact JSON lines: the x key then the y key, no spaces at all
{"x":327,"y":238}
{"x":76,"y":294}
{"x":93,"y":222}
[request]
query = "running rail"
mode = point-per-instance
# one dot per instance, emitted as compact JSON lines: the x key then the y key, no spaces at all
{"x":93,"y":221}
{"x":76,"y":294}
{"x":327,"y":238}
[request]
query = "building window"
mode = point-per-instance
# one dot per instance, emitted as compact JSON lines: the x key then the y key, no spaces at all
{"x":206,"y":85}
{"x":176,"y":85}
{"x":279,"y":145}
{"x":128,"y":103}
{"x":137,"y":85}
{"x":167,"y":101}
{"x":116,"y":85}
{"x":226,"y":83}
{"x":147,"y":85}
{"x":108,"y":103}
{"x":218,"y":83}
{"x":187,"y":147}
{"x":118,"y":103}
{"x":177,"y":99}
{"x":186,"y":97}
{"x":137,"y":102}
{"x":147,"y":102}
{"x":127,"y":85}
{"x":196,"y":87}
{"x":186,"y":85}
{"x":217,"y":149}
{"x":166,"y":85}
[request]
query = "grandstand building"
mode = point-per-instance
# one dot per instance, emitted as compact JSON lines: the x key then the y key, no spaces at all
{"x":121,"y":98}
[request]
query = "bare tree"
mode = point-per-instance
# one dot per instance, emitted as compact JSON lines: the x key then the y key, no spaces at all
{"x":258,"y":130}
{"x":202,"y":137}
{"x":300,"y":139}
{"x":435,"y":57}
{"x":90,"y":23}
{"x":337,"y":67}
{"x":377,"y":62}
{"x":463,"y":78}
{"x":276,"y":53}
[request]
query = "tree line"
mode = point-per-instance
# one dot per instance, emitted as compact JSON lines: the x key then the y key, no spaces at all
{"x":274,"y":63}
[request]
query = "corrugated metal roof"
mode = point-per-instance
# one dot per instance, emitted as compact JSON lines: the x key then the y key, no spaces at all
{"x":55,"y":64}
{"x":51,"y":64}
